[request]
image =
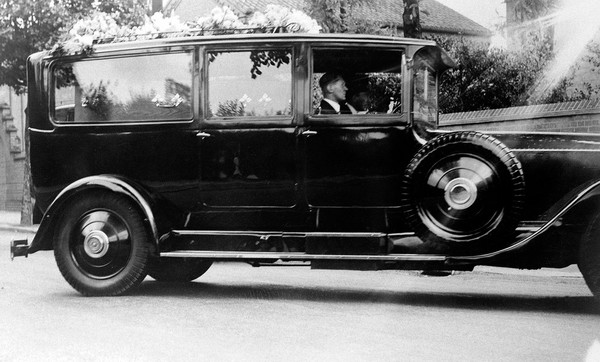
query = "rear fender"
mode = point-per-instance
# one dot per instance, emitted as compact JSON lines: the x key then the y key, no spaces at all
{"x":45,"y":233}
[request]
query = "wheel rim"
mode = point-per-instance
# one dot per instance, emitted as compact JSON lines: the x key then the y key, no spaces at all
{"x":460,"y":198}
{"x":100,"y":244}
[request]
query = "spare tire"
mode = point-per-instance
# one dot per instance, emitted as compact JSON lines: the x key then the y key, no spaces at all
{"x":463,"y":187}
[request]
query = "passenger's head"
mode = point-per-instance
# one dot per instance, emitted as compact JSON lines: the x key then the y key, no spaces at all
{"x":333,"y":86}
{"x":360,"y":100}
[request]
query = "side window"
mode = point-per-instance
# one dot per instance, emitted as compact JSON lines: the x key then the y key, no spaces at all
{"x":255,"y":83}
{"x":133,"y":89}
{"x":367,"y":80}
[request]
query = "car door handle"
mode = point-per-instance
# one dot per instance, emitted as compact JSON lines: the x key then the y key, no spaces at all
{"x":309,"y":133}
{"x":203,"y":134}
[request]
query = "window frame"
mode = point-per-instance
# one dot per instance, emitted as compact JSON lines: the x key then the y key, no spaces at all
{"x":54,"y":63}
{"x":357,"y":120}
{"x":246,"y":121}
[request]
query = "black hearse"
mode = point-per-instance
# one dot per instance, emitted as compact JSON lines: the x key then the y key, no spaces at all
{"x":160,"y":157}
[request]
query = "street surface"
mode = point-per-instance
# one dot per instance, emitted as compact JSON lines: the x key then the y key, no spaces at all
{"x":239,"y":313}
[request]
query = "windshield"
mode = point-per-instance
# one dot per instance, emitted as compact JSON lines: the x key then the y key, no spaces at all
{"x":425,"y":95}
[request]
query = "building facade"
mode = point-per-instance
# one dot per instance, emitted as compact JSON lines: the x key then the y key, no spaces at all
{"x":12,"y":150}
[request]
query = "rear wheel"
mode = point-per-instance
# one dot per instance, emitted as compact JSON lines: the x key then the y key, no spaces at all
{"x":101,"y":245}
{"x":589,"y":257}
{"x":178,"y":269}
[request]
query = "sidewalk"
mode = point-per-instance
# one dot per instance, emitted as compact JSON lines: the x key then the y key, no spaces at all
{"x":11,"y":221}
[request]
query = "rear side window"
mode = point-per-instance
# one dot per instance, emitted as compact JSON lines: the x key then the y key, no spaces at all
{"x":134,"y":89}
{"x":255,"y":83}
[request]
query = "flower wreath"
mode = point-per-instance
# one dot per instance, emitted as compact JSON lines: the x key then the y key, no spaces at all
{"x":102,"y":28}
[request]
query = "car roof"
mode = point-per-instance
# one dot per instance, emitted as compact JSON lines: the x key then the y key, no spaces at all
{"x":170,"y":39}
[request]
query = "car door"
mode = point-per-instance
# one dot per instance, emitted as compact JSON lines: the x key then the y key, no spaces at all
{"x":129,"y":115}
{"x":247,"y":140}
{"x":356,"y":161}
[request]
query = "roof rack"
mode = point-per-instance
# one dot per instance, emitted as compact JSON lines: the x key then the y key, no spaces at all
{"x":191,"y":31}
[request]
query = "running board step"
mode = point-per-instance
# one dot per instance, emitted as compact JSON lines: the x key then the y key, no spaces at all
{"x":233,"y":255}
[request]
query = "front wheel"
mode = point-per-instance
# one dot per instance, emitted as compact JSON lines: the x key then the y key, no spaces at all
{"x":101,"y":245}
{"x":589,"y":257}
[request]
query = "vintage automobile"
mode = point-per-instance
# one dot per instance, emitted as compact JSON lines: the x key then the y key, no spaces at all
{"x":159,"y":157}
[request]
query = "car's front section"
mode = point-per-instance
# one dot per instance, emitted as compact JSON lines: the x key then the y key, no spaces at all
{"x":562,"y":178}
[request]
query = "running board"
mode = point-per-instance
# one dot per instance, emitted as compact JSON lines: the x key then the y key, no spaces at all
{"x":269,"y":234}
{"x":235,"y":255}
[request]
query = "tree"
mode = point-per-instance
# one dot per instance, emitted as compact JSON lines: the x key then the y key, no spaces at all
{"x":28,"y":26}
{"x":411,"y":22}
{"x":526,"y":10}
{"x":497,"y":78}
{"x":525,"y":18}
{"x":335,"y":16}
{"x":489,"y":78}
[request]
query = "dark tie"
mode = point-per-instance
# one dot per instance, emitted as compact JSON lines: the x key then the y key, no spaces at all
{"x":344,"y":109}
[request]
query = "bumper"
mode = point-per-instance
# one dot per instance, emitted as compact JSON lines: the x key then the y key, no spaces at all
{"x":18,"y":248}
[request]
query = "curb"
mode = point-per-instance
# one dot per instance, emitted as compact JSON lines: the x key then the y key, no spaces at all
{"x":568,"y":272}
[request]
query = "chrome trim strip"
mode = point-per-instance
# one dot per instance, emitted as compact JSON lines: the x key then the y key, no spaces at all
{"x":528,"y":229}
{"x":314,"y":234}
{"x":115,"y":124}
{"x":520,"y":133}
{"x":401,"y":235}
{"x":285,"y":38}
{"x":529,"y":238}
{"x":264,"y":234}
{"x":553,"y":150}
{"x":37,"y":130}
{"x":296,"y":256}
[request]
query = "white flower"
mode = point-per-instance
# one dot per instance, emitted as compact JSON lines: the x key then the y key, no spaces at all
{"x":204,"y":22}
{"x":258,"y":20}
{"x":304,"y":22}
{"x":86,"y":40}
{"x":218,"y":12}
{"x":265,"y":98}
{"x":277,"y":15}
{"x":102,"y":27}
{"x":245,"y":99}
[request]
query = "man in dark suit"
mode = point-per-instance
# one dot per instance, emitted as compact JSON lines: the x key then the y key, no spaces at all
{"x":334,"y":95}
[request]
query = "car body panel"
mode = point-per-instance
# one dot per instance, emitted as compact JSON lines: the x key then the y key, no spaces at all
{"x":296,"y":185}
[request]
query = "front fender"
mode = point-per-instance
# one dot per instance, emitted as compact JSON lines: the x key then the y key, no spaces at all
{"x":128,"y":188}
{"x":567,"y":204}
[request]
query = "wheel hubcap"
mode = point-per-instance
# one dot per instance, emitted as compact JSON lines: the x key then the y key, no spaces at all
{"x":100,"y":244}
{"x":460,"y":193}
{"x":96,"y":244}
{"x":461,"y":198}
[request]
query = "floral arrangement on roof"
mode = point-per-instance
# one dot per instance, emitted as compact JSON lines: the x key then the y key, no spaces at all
{"x":102,"y":28}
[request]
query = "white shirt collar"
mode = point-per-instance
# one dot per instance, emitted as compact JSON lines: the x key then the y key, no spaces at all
{"x":334,"y":104}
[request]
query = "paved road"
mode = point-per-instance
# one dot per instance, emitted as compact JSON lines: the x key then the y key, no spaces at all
{"x":239,"y":313}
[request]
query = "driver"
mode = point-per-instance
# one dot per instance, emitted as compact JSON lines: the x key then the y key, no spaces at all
{"x":334,"y":90}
